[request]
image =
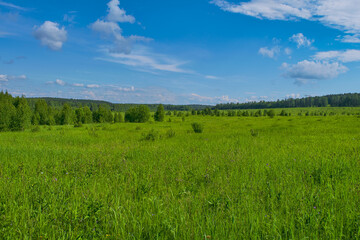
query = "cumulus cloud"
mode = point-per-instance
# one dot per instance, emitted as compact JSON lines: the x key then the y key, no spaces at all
{"x":269,"y":52}
{"x":107,"y":28}
{"x":350,"y":55}
{"x":110,"y":29}
{"x":343,"y":15}
{"x":60,"y":82}
{"x":301,"y":40}
{"x":51,"y":35}
{"x":116,"y":14}
{"x":305,"y":70}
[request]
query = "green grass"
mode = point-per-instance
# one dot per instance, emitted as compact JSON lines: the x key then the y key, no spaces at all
{"x":242,"y":178}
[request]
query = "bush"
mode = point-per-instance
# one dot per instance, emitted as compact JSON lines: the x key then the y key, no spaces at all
{"x":151,"y":136}
{"x":197,"y":127}
{"x":138,"y":114}
{"x":271,"y":113}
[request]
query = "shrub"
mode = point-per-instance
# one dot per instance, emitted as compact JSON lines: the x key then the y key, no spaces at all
{"x":151,"y":136}
{"x":271,"y":113}
{"x":197,"y":127}
{"x":138,"y":114}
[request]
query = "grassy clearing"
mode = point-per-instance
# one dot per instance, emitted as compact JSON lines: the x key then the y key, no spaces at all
{"x":242,"y":178}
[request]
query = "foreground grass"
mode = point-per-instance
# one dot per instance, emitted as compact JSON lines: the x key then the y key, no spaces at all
{"x":242,"y":178}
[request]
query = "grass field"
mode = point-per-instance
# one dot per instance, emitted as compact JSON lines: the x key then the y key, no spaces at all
{"x":242,"y":178}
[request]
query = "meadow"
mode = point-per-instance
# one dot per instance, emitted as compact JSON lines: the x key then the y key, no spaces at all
{"x":294,"y":177}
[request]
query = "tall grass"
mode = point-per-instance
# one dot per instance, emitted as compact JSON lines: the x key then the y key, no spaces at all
{"x":297,"y":178}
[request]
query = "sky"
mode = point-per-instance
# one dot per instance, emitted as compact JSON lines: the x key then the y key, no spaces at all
{"x":179,"y":51}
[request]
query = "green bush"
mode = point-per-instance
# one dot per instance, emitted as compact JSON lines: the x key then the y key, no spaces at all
{"x":151,"y":136}
{"x":197,"y":127}
{"x":138,"y":114}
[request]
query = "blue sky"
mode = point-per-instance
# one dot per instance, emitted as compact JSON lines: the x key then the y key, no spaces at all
{"x":179,"y":51}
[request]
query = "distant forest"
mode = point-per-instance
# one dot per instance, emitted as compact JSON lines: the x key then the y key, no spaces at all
{"x":116,"y":107}
{"x":335,"y":100}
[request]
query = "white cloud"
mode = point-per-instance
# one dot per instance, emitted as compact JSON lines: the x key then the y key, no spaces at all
{"x":351,"y":38}
{"x":269,"y":52}
{"x":116,"y":14}
{"x":5,"y":34}
{"x":69,"y":17}
{"x":305,"y":70}
{"x":93,"y":86}
{"x":130,"y":89}
{"x":144,"y":59}
{"x":10,"y":5}
{"x":110,"y":29}
{"x":350,"y":55}
{"x":107,"y":28}
{"x":78,"y":85}
{"x":60,"y":82}
{"x":343,"y":15}
{"x":288,"y":51}
{"x":301,"y":40}
{"x":270,"y":9}
{"x":211,"y":77}
{"x":6,"y":78}
{"x":256,"y":98}
{"x":51,"y":35}
{"x":212,"y":100}
{"x":3,"y":78}
{"x":293,"y":95}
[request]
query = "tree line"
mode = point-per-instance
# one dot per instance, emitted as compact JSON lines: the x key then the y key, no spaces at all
{"x":17,"y":115}
{"x":335,"y":100}
{"x":115,"y":107}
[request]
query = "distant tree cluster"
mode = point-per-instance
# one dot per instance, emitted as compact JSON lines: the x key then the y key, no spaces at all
{"x":17,"y":115}
{"x":337,"y":100}
{"x":115,"y":107}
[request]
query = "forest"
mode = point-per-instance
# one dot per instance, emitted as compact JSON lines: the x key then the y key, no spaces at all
{"x":20,"y":113}
{"x":335,"y":100}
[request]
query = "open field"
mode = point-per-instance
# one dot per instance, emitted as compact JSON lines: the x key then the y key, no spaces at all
{"x":242,"y":178}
